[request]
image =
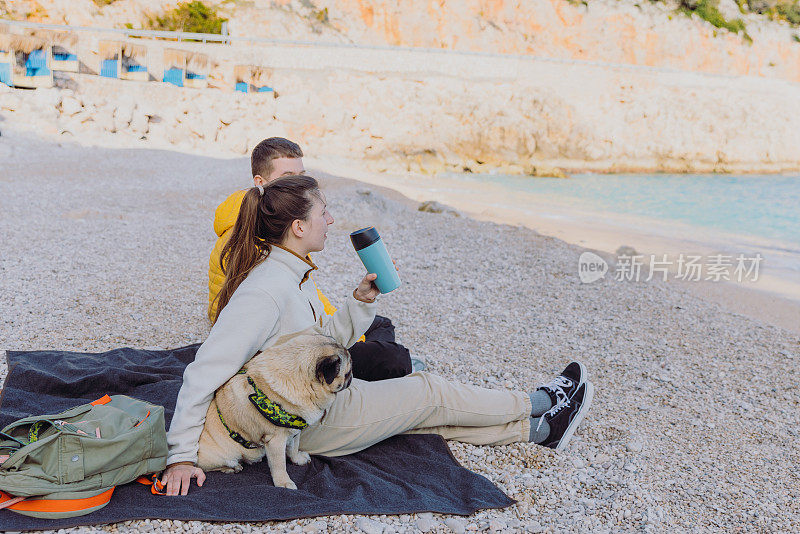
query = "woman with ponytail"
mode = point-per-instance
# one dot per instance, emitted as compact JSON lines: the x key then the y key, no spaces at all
{"x":266,"y":216}
{"x":265,"y":297}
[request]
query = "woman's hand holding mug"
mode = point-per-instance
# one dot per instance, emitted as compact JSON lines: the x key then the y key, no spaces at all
{"x":367,"y":290}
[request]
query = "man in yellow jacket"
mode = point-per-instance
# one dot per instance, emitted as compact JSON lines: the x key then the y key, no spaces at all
{"x":376,"y":356}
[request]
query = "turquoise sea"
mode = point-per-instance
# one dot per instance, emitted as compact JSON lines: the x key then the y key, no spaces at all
{"x":756,"y":206}
{"x":750,"y":214}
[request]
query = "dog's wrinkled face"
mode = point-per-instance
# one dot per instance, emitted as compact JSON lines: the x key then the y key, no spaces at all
{"x":334,"y":368}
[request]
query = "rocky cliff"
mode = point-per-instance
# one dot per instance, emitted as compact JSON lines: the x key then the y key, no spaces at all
{"x":428,"y":112}
{"x":549,"y":116}
{"x":640,"y":33}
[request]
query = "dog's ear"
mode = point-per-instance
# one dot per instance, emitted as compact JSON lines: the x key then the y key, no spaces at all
{"x":328,"y":368}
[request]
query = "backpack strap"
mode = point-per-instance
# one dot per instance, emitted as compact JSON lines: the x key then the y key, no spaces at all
{"x":10,"y":445}
{"x":8,"y":502}
{"x":10,"y":442}
{"x":42,"y":506}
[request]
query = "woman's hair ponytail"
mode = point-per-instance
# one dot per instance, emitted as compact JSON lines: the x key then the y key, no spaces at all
{"x":264,"y":220}
{"x":240,"y":254}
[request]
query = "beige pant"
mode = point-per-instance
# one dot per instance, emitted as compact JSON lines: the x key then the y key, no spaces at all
{"x":419,"y":403}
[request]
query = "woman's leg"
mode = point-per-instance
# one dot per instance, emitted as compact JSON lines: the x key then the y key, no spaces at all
{"x":369,"y":412}
{"x":485,"y":435}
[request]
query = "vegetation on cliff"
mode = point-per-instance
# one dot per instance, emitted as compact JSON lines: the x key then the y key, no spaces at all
{"x":779,"y":10}
{"x":194,"y":16}
{"x":788,"y":10}
{"x":708,"y":10}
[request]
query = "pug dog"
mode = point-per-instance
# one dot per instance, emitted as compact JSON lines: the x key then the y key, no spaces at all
{"x":302,"y":373}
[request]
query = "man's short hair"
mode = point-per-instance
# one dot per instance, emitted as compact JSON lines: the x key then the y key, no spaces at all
{"x":269,"y":149}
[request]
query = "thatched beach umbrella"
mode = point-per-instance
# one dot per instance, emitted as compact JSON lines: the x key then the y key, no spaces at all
{"x":65,"y":50}
{"x":30,"y":62}
{"x":136,"y":52}
{"x":174,"y":59}
{"x":197,"y":62}
{"x":22,"y":46}
{"x":134,"y":62}
{"x":197,"y":68}
{"x":109,"y":53}
{"x":66,"y":40}
{"x":174,"y":66}
{"x":109,"y":50}
{"x":260,"y":76}
{"x":5,"y":42}
{"x":241,"y":73}
{"x":61,"y":41}
{"x":27,"y":43}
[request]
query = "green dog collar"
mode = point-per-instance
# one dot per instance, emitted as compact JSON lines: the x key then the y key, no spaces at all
{"x":272,"y":411}
{"x":236,"y":436}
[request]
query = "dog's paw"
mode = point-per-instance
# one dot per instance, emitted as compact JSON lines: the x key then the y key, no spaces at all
{"x":301,"y":458}
{"x":232,"y":467}
{"x":287,"y":483}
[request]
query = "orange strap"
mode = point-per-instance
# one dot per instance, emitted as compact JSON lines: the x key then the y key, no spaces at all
{"x":156,"y":487}
{"x":71,"y":505}
{"x":54,"y":505}
{"x":105,"y":399}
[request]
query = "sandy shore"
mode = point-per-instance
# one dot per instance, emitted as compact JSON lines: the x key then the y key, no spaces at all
{"x":695,"y":420}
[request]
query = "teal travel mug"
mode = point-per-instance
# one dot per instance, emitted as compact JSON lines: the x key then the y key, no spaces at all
{"x":370,"y":248}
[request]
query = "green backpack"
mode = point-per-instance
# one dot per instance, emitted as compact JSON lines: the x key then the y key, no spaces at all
{"x":67,"y":464}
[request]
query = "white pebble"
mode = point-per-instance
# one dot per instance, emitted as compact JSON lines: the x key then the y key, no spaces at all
{"x":497,"y":525}
{"x":456,"y":525}
{"x":635,"y":445}
{"x":424,"y":524}
{"x":369,"y":526}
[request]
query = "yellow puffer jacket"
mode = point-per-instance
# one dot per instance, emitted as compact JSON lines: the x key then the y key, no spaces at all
{"x":224,"y":219}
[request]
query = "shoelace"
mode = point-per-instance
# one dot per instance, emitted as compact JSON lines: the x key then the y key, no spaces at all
{"x":557,"y":386}
{"x":562,"y":403}
{"x":559,"y":382}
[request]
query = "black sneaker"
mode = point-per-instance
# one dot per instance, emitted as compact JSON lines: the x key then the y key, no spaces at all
{"x":565,"y":417}
{"x":566,"y":384}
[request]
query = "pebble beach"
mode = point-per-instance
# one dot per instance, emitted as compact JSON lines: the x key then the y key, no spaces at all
{"x":696,"y":411}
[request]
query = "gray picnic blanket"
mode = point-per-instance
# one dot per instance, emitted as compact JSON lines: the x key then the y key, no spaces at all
{"x":401,"y":475}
